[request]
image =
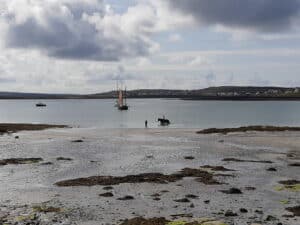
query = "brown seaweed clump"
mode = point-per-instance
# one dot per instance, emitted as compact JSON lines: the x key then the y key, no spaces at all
{"x":16,"y":161}
{"x":201,"y":175}
{"x":247,"y":128}
{"x":242,"y":160}
{"x":295,"y":210}
{"x":15,"y":127}
{"x":143,"y":221}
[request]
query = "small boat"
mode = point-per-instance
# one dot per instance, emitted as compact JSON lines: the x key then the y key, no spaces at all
{"x":163,"y":121}
{"x":121,"y":102}
{"x":40,"y":104}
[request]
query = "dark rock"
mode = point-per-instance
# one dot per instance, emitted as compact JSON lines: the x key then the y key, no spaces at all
{"x":295,"y":164}
{"x":156,"y":199}
{"x":191,"y":196}
{"x":232,"y":191}
{"x":183,"y":200}
{"x":107,"y":194}
{"x":207,"y":201}
{"x":126,"y":198}
{"x":270,"y":218}
{"x":272,"y":169}
{"x":46,"y":164}
{"x":243,"y":210}
{"x":229,"y":213}
{"x":77,"y":141}
{"x":216,"y":168}
{"x":189,"y":157}
{"x":250,"y":188}
{"x":192,"y":205}
{"x":63,"y":159}
{"x":258,"y":211}
{"x":295,"y":210}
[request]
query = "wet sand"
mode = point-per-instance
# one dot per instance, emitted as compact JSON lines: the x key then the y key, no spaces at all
{"x":258,"y":186}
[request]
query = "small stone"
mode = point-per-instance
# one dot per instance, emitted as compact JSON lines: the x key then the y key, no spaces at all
{"x":243,"y":210}
{"x":232,"y":191}
{"x":191,"y":196}
{"x":229,"y":213}
{"x":107,"y":194}
{"x":272,"y":169}
{"x":183,"y":200}
{"x":270,"y":218}
{"x":126,"y":198}
{"x":207,"y":201}
{"x":259,"y":211}
{"x":189,"y":157}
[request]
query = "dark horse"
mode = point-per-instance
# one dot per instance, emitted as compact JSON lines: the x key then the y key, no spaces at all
{"x":164,"y":122}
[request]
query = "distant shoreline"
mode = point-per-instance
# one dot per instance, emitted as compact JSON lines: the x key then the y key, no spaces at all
{"x":202,"y":98}
{"x":222,"y":93}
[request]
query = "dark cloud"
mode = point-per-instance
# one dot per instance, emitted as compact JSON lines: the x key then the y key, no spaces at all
{"x":259,"y":15}
{"x":73,"y":30}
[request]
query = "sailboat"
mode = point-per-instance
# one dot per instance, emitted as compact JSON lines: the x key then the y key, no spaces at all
{"x":121,"y":102}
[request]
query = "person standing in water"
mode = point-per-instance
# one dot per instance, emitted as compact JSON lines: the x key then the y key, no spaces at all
{"x":146,"y":124}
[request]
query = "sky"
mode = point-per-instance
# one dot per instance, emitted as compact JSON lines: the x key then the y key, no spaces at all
{"x":85,"y":46}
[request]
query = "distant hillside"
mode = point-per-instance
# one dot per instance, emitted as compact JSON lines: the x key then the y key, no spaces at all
{"x":212,"y":93}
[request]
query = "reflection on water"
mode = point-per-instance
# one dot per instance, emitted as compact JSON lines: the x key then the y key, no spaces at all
{"x":183,"y":114}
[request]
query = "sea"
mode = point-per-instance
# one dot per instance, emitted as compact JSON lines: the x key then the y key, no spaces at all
{"x":101,"y":113}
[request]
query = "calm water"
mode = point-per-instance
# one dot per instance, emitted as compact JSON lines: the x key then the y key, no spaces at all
{"x":183,"y":114}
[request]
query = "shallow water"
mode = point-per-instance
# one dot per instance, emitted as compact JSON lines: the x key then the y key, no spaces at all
{"x":183,"y":114}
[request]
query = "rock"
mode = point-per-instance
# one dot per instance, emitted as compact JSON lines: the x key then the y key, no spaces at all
{"x":229,"y":213}
{"x":107,"y":194}
{"x":192,"y":205}
{"x":191,"y":196}
{"x":189,"y":157}
{"x":295,"y":210}
{"x":232,"y":191}
{"x":207,"y":201}
{"x":63,"y":159}
{"x":46,"y":164}
{"x":77,"y":141}
{"x":259,"y":211}
{"x":270,"y":218}
{"x":183,"y":200}
{"x":250,"y":188}
{"x":126,"y":198}
{"x":156,"y":199}
{"x":243,"y":210}
{"x":272,"y":169}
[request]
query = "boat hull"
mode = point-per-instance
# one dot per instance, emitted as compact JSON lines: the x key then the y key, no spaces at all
{"x":123,"y":107}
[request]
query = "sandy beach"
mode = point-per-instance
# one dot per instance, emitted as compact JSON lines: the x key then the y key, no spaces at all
{"x":255,"y":176}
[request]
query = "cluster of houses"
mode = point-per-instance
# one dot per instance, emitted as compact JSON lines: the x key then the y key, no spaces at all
{"x":262,"y":93}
